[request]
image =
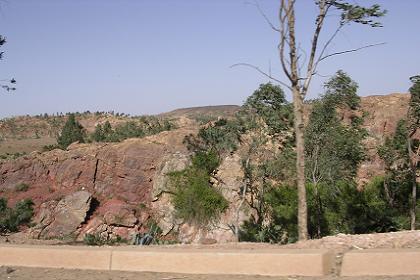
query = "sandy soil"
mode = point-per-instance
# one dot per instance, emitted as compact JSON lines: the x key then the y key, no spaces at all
{"x":339,"y":243}
{"x":25,"y":145}
{"x":19,"y":273}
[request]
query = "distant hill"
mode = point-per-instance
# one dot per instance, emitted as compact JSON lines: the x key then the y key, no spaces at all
{"x":29,"y":133}
{"x":194,"y":112}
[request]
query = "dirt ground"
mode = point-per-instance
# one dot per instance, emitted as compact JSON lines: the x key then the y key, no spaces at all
{"x":26,"y":145}
{"x":19,"y":273}
{"x":339,"y":243}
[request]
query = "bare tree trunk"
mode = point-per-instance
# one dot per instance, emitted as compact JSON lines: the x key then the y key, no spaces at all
{"x":244,"y":191}
{"x":413,"y":165}
{"x":300,"y":165}
{"x":387,"y":193}
{"x":299,"y":84}
{"x":413,"y":204}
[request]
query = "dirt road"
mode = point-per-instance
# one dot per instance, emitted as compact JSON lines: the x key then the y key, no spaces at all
{"x":19,"y":273}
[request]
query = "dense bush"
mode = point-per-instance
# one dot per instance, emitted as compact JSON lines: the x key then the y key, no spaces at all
{"x":194,"y":198}
{"x":333,"y":148}
{"x":97,"y":240}
{"x":269,"y":103}
{"x":347,"y":210}
{"x":12,"y":218}
{"x":221,"y":136}
{"x":9,"y":156}
{"x":21,"y":187}
{"x":72,"y":131}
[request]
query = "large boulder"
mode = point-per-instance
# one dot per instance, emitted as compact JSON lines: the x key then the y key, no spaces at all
{"x":62,"y":219}
{"x":118,"y":213}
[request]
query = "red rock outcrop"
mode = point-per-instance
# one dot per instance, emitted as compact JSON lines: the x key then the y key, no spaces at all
{"x":119,"y":176}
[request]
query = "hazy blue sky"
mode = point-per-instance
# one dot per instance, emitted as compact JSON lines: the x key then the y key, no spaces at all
{"x":151,"y":56}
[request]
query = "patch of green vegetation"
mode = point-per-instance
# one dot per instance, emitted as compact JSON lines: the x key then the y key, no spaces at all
{"x":72,"y":132}
{"x":220,"y":137}
{"x":136,"y":128}
{"x":333,"y":152}
{"x":97,"y":240}
{"x":13,"y":218}
{"x":348,"y":210}
{"x":204,"y":119}
{"x":21,"y":187}
{"x":194,"y":198}
{"x":13,"y":156}
{"x":51,"y":147}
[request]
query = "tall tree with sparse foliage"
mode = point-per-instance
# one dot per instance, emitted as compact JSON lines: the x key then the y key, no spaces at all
{"x":300,"y":65}
{"x":413,"y":142}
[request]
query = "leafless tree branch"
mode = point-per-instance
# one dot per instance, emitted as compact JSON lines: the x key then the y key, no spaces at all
{"x":261,"y":72}
{"x":255,"y":3}
{"x":323,"y":10}
{"x":350,"y":51}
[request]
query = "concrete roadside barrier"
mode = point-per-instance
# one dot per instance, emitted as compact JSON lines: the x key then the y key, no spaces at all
{"x":71,"y":257}
{"x":381,"y":262}
{"x":273,"y":262}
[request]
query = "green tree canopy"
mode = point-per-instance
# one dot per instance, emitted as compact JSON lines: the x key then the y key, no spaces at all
{"x":269,"y":103}
{"x":333,"y":149}
{"x":72,"y":131}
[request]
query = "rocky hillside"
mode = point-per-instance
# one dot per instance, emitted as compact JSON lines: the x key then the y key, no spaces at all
{"x":197,"y":112}
{"x":382,"y":114}
{"x":121,"y":188}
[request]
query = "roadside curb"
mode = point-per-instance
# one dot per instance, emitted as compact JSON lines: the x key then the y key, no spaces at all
{"x":381,"y":262}
{"x":270,"y":262}
{"x":70,"y":257}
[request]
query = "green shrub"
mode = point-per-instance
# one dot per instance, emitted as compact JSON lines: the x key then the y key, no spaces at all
{"x":136,"y":128}
{"x":269,"y":103}
{"x":97,"y":240}
{"x":12,"y":218}
{"x":204,"y":119}
{"x":281,"y":204}
{"x":93,"y":240}
{"x":21,"y":187}
{"x":342,"y":209}
{"x":72,"y":131}
{"x":51,"y":147}
{"x":194,"y":198}
{"x":3,"y":205}
{"x":206,"y":161}
{"x":220,"y":137}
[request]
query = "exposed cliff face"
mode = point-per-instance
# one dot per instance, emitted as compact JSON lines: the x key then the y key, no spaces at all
{"x":228,"y":179}
{"x":119,"y":177}
{"x":114,"y":189}
{"x":382,"y":114}
{"x":122,"y":170}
